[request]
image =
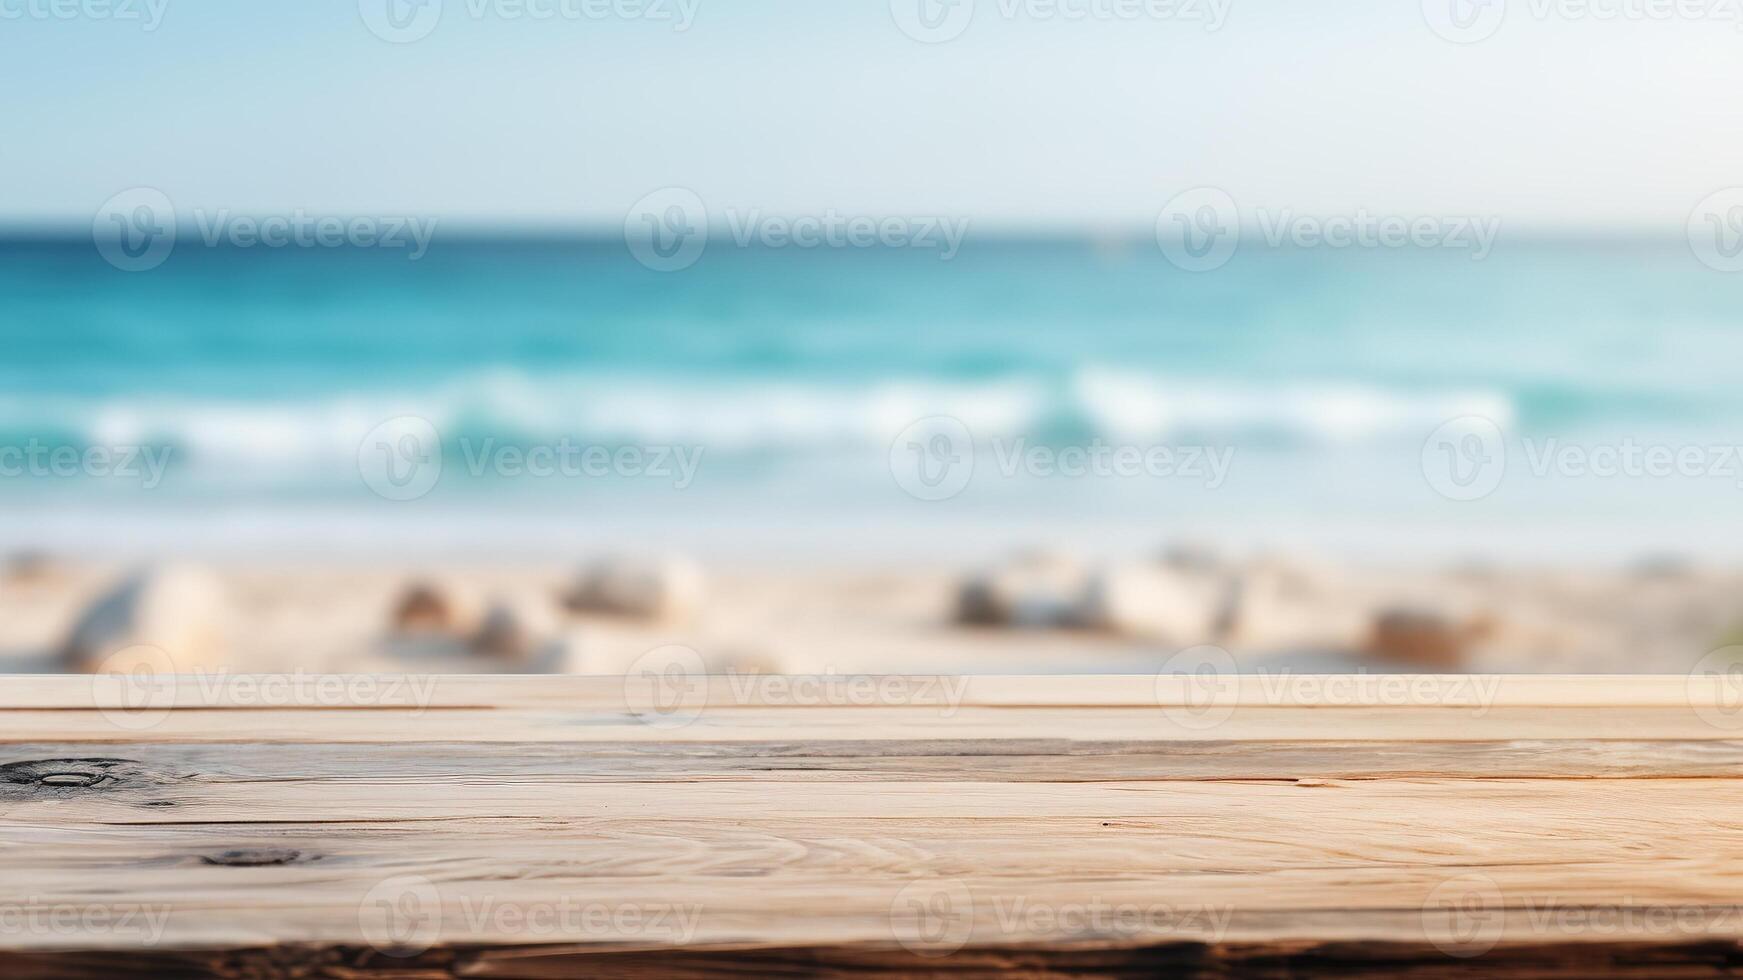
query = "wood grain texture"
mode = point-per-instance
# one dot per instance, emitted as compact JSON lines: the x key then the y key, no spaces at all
{"x":1093,"y":826}
{"x":984,"y":690}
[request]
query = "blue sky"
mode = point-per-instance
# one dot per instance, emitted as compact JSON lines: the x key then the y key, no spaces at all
{"x":795,"y":106}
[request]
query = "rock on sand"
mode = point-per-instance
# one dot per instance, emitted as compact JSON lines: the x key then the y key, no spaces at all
{"x":1034,"y":589}
{"x":514,"y":630}
{"x":180,"y":610}
{"x":1153,"y":601}
{"x":1275,"y":606}
{"x":1426,"y":638}
{"x":427,"y":606}
{"x":668,"y":589}
{"x":1050,"y":590}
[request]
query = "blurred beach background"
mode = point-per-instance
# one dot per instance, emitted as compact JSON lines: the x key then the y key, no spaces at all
{"x":572,"y":234}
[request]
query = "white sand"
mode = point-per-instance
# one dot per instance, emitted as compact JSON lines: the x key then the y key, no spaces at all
{"x":874,"y":620}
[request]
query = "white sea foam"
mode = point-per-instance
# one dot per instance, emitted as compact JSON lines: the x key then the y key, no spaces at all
{"x":1137,"y":407}
{"x":753,"y":416}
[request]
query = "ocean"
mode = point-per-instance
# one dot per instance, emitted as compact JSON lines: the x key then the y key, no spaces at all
{"x":789,"y":381}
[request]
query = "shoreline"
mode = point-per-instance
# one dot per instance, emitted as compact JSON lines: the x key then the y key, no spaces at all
{"x":772,"y":535}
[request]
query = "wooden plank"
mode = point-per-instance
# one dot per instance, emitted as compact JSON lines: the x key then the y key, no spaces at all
{"x":1283,"y":689}
{"x":1259,"y":860}
{"x":759,"y":724}
{"x":1003,"y":760}
{"x":530,"y":837}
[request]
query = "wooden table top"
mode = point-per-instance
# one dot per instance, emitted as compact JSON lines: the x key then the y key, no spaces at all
{"x":672,"y":825}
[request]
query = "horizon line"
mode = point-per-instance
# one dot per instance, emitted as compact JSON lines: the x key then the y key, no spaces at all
{"x":463,"y":231}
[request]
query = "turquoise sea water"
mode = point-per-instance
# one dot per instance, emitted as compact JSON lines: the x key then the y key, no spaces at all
{"x":793,"y":370}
